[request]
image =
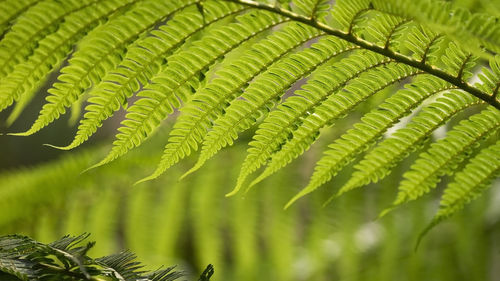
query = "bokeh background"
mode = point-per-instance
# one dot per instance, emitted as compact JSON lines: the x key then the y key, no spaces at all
{"x":191,"y":223}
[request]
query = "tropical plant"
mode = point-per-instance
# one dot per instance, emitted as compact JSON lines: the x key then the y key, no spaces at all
{"x":228,"y":65}
{"x":22,"y":258}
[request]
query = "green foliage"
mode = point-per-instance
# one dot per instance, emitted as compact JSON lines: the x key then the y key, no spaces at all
{"x":248,"y":238}
{"x":469,"y":183}
{"x":67,"y":259}
{"x":293,"y":69}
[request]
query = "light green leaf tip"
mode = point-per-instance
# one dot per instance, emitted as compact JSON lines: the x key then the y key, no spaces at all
{"x":387,"y":211}
{"x":148,"y":178}
{"x":195,"y":168}
{"x":299,"y":195}
{"x":22,"y":134}
{"x":57,"y":147}
{"x":235,"y":190}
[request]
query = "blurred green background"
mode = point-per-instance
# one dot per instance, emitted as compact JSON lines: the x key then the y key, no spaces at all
{"x":246,"y":237}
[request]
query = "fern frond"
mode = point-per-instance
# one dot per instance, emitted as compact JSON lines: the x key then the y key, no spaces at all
{"x":428,"y":53}
{"x":280,"y":123}
{"x":316,"y":9}
{"x":51,"y":51}
{"x":336,"y":106}
{"x":444,"y":155}
{"x":122,"y":266}
{"x":265,"y":92}
{"x":474,"y":31}
{"x":20,"y":105}
{"x":276,"y":128}
{"x":169,"y":89}
{"x":423,"y":44}
{"x":490,"y":78}
{"x":196,"y":116}
{"x":142,"y":62}
{"x":343,"y":151}
{"x":374,"y":124}
{"x":69,"y":253}
{"x":458,"y":62}
{"x":378,"y":163}
{"x":469,"y":183}
{"x":387,"y":30}
{"x":9,"y":10}
{"x":13,"y":246}
{"x":225,"y":65}
{"x":100,"y":52}
{"x":349,"y":13}
{"x":66,"y":259}
{"x":31,"y":27}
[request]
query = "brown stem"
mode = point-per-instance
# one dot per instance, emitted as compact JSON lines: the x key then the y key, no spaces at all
{"x":459,"y":83}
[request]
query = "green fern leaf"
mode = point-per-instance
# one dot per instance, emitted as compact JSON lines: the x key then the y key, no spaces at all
{"x":458,"y":62}
{"x":11,"y":248}
{"x":66,"y":259}
{"x":98,"y":53}
{"x":354,"y":142}
{"x":348,"y":13}
{"x":387,"y":30}
{"x":264,"y":92}
{"x":374,"y":124}
{"x":444,"y":155}
{"x":378,"y":163}
{"x":316,"y":9}
{"x":226,"y":65}
{"x":424,"y":45}
{"x":469,"y":183}
{"x":291,"y":112}
{"x":9,"y":10}
{"x":122,"y":265}
{"x":197,"y":114}
{"x":490,"y":78}
{"x":280,"y":123}
{"x":475,"y":32}
{"x":20,"y":105}
{"x":169,"y":88}
{"x":140,"y":65}
{"x":334,"y":107}
{"x":25,"y":77}
{"x":31,"y":27}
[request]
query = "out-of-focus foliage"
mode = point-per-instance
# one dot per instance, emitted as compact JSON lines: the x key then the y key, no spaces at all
{"x":248,"y":237}
{"x":22,"y":258}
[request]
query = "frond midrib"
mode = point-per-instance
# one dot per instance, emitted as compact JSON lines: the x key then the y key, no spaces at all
{"x":349,"y":37}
